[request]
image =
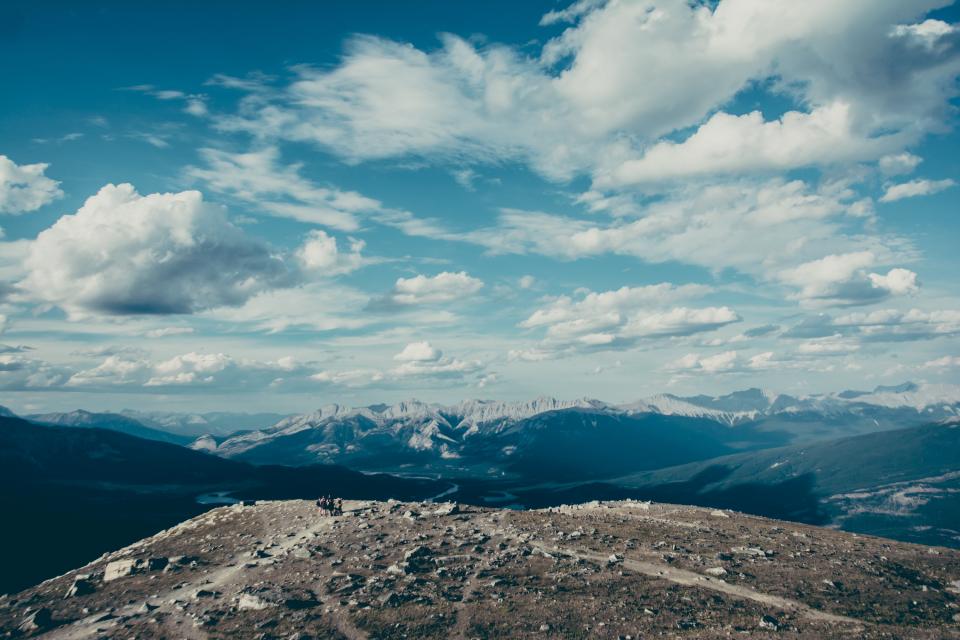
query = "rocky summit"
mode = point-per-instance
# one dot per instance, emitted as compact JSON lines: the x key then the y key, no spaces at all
{"x":423,"y":570}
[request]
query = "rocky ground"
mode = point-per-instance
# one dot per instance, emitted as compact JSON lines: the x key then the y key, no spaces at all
{"x":409,"y":570}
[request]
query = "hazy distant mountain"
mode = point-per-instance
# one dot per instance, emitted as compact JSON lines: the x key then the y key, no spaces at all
{"x":217,"y":423}
{"x":921,"y":402}
{"x":111,"y":421}
{"x":6,"y":413}
{"x":469,"y":435}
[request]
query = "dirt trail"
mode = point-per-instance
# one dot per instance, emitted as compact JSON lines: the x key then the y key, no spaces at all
{"x":692,"y":579}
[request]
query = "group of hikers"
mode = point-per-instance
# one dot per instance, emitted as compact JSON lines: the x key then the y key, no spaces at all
{"x":329,"y":506}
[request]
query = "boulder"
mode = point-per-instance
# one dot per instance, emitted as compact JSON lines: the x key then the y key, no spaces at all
{"x":37,"y":621}
{"x":254,"y":602}
{"x":418,"y":559}
{"x":81,"y":586}
{"x":389,"y":599}
{"x":122,"y":569}
{"x":447,"y":509}
{"x":770,"y":623}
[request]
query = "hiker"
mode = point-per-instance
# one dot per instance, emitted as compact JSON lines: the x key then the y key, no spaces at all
{"x":325,"y":505}
{"x":338,"y":507}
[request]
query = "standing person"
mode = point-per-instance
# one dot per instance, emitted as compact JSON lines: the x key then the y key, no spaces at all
{"x":339,"y":507}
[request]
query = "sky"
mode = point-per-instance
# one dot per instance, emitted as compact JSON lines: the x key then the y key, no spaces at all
{"x":252,"y":207}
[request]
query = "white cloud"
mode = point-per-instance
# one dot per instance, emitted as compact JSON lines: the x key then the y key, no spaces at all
{"x":418,"y":352}
{"x":757,"y":228}
{"x":319,"y":254}
{"x":603,"y":305}
{"x":318,"y":306}
{"x":25,"y":188}
{"x":193,"y":104}
{"x":21,"y":373}
{"x":349,"y":378}
{"x":526,"y":282}
{"x":843,"y":279}
{"x":123,"y":253}
{"x":422,"y":360}
{"x":928,"y":33}
{"x":256,"y":177}
{"x":680,"y":321}
{"x":260,"y":180}
{"x":417,"y":360}
{"x":718,"y":363}
{"x":882,"y":325}
{"x":915,"y":188}
{"x":617,"y":319}
{"x":443,"y":287}
{"x":828,"y":346}
{"x":164,"y":332}
{"x":899,"y":164}
{"x":946,"y":362}
{"x":741,"y":144}
{"x":193,"y":371}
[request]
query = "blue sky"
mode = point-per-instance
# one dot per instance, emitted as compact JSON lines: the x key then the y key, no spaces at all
{"x":222,"y":205}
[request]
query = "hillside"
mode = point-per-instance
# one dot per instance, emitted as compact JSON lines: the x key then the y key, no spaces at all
{"x":111,"y":421}
{"x":417,"y":570}
{"x":904,"y":484}
{"x":108,"y":489}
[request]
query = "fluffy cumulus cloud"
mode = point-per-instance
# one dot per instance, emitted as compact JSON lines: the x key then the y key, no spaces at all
{"x":418,"y":352}
{"x":25,"y":188}
{"x":915,"y":188}
{"x":844,"y":280}
{"x":444,"y":287}
{"x":899,"y":163}
{"x":421,"y":359}
{"x":123,"y":253}
{"x":617,"y":319}
{"x":320,"y":254}
{"x":740,"y":144}
{"x":717,"y":363}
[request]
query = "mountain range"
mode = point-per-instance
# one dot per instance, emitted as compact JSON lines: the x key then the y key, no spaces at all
{"x":417,"y":435}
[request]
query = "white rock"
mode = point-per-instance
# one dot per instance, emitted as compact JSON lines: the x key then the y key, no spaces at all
{"x":250,"y":601}
{"x":121,"y":569}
